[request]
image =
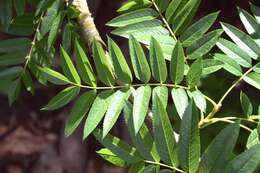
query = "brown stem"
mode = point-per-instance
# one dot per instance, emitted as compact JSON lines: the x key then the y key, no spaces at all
{"x":86,"y":22}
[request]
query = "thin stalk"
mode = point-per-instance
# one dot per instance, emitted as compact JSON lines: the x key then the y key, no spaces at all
{"x":164,"y":165}
{"x":128,"y":86}
{"x":29,"y":55}
{"x":236,"y":83}
{"x":241,"y":125}
{"x":226,"y":119}
{"x":210,"y":100}
{"x":242,"y":119}
{"x":164,"y":20}
{"x":216,"y":109}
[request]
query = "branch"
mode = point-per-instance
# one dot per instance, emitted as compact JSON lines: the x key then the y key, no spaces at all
{"x":86,"y":22}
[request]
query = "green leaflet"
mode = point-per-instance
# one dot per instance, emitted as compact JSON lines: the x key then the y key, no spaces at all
{"x":42,"y":6}
{"x":216,"y":155}
{"x":84,"y":67}
{"x":11,"y":73}
{"x":133,"y":17}
{"x":49,"y":18}
{"x":122,"y":70}
{"x":246,"y":162}
{"x":68,"y":67}
{"x":13,"y":91}
{"x":180,"y":19}
{"x":162,"y":4}
{"x":166,"y":42}
{"x":203,"y":45}
{"x":234,"y":52}
{"x":159,"y":135}
{"x":97,"y":111}
{"x":53,"y":76}
{"x":189,"y":18}
{"x":79,"y":111}
{"x":246,"y":104}
{"x":54,"y":30}
{"x":199,"y":100}
{"x":257,"y":68}
{"x":5,"y":14}
{"x":177,"y":64}
{"x":196,"y":31}
{"x":229,"y":65}
{"x":157,"y":62}
{"x":255,"y":11}
{"x":109,"y":156}
{"x":152,"y":169}
{"x":189,"y":140}
{"x":67,"y":37}
{"x":180,"y":100}
{"x":114,"y":109}
{"x":19,"y":6}
{"x":253,"y":79}
{"x":14,"y":45}
{"x":163,"y":132}
{"x":137,"y":168}
{"x":211,"y":66}
{"x":143,"y":141}
{"x":142,"y":31}
{"x":118,"y":147}
{"x":73,"y":12}
{"x":62,"y":98}
{"x":253,"y":139}
{"x":174,"y":9}
{"x":242,"y":40}
{"x":134,"y":5}
{"x":194,"y":74}
{"x":139,"y":62}
{"x":27,"y":81}
{"x":14,"y":58}
{"x":104,"y":70}
{"x":251,"y":25}
{"x":140,"y":106}
{"x":22,"y":25}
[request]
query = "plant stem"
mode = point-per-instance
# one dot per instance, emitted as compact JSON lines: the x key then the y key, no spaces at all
{"x":128,"y":86}
{"x":164,"y":165}
{"x":207,"y":122}
{"x":236,"y":83}
{"x":242,"y":119}
{"x":210,"y":100}
{"x":29,"y":55}
{"x":164,"y":20}
{"x":241,"y":125}
{"x":219,"y":104}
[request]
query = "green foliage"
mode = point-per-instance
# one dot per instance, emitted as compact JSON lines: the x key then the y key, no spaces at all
{"x":168,"y":56}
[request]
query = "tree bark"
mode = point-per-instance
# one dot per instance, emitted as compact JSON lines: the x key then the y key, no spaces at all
{"x":86,"y":22}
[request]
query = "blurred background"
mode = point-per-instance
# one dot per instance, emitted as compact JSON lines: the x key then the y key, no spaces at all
{"x":32,"y":141}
